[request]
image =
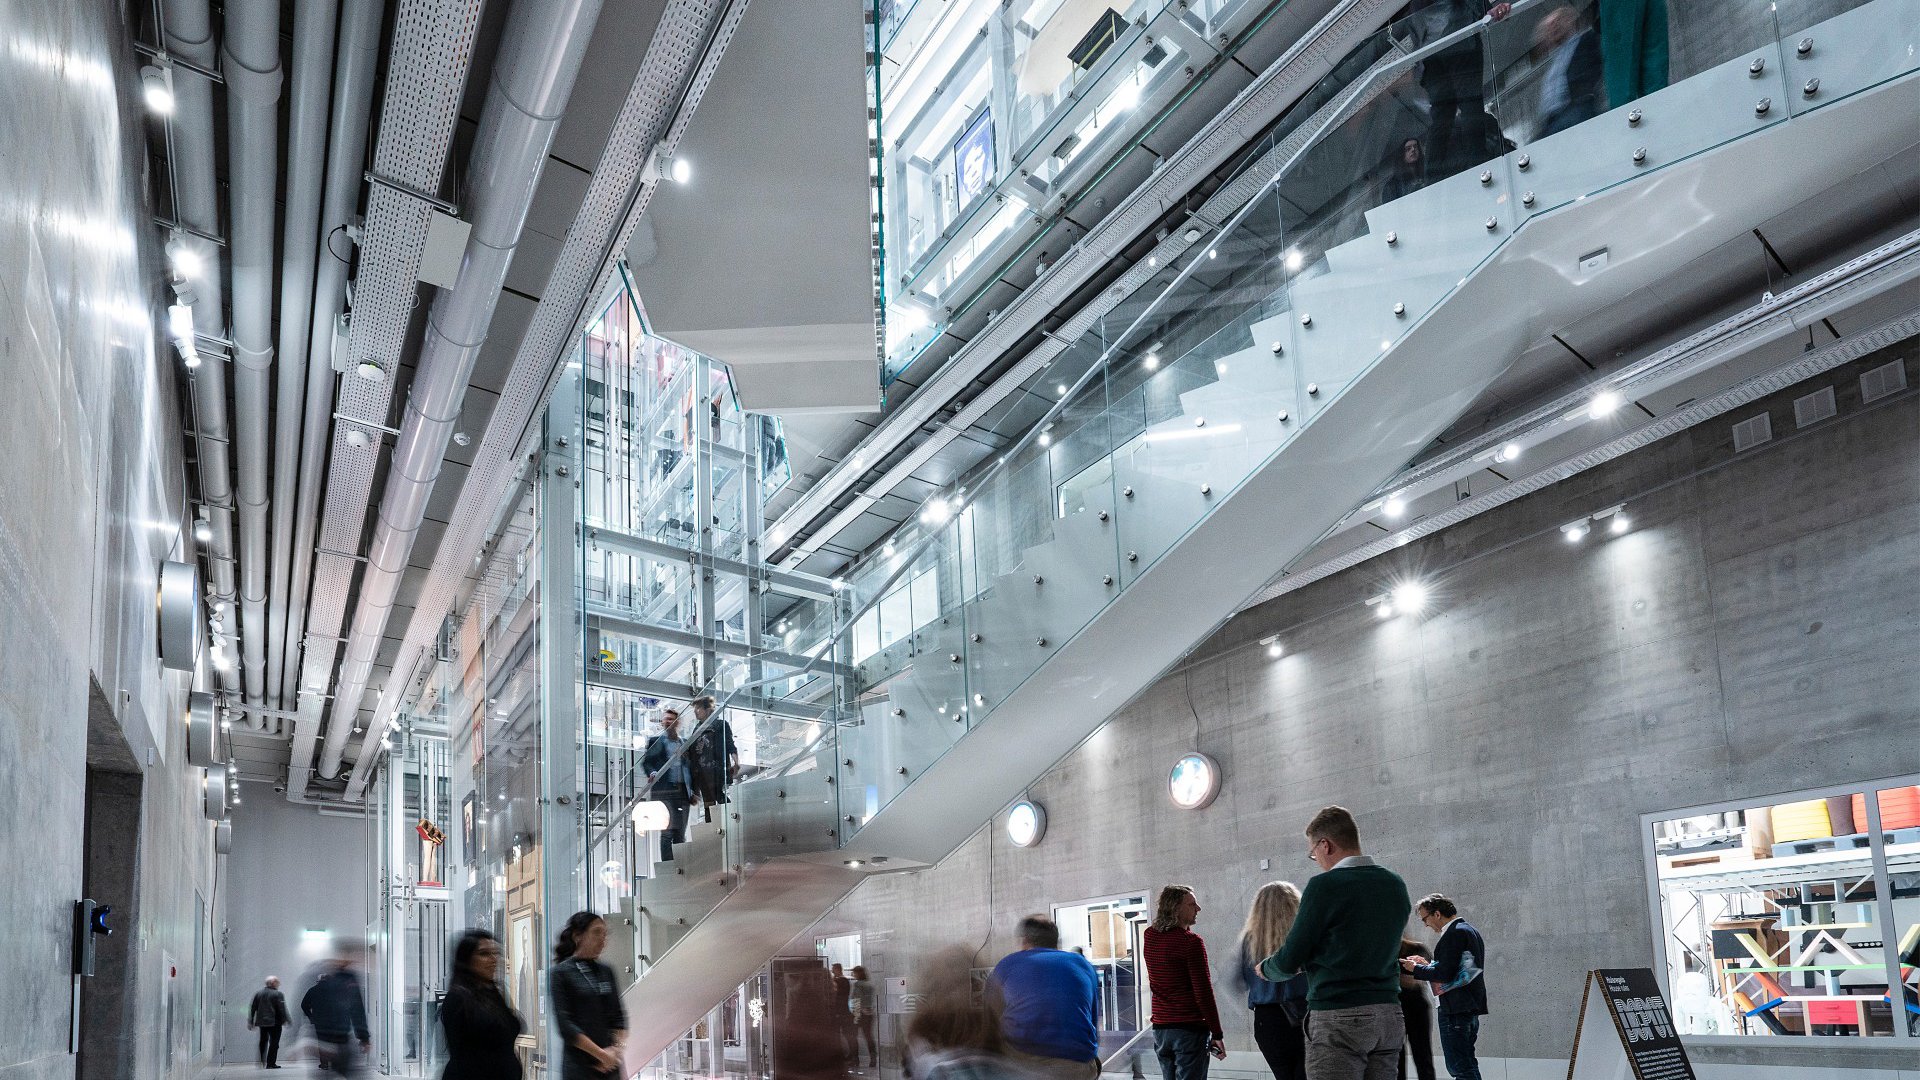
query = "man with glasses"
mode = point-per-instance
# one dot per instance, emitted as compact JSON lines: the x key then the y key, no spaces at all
{"x":1456,"y":972}
{"x":1347,"y":941}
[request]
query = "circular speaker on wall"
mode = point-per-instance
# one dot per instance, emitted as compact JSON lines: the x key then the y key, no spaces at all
{"x":203,"y":730}
{"x":213,"y":793}
{"x":177,"y":599}
{"x":223,"y":837}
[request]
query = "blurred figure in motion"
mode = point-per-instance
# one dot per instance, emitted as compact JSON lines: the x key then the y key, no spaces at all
{"x":955,"y":1033}
{"x":1454,"y":78}
{"x":806,"y":1038}
{"x":480,"y":1025}
{"x":865,"y":1010}
{"x":1279,"y":1008}
{"x":843,"y":1016}
{"x":1570,"y":89}
{"x":586,"y":1000}
{"x":1049,"y":1001}
{"x":337,"y":1011}
{"x":1633,"y":43}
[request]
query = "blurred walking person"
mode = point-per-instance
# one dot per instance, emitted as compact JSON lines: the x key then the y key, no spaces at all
{"x":1279,"y":1008}
{"x":1050,"y":1004}
{"x":337,"y":1011}
{"x":1186,"y":1021}
{"x":480,"y":1026}
{"x":843,"y":1016}
{"x":955,"y":1034}
{"x":586,"y":1000}
{"x":1416,"y":1012}
{"x":865,"y":1011}
{"x":268,"y":1012}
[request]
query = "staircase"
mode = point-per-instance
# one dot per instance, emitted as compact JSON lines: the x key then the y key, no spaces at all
{"x":1285,"y":419}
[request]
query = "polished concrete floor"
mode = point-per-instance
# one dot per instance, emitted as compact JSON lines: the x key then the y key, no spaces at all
{"x":288,"y":1070}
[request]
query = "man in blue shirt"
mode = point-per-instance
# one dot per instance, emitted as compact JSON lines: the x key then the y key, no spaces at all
{"x":1050,"y":1004}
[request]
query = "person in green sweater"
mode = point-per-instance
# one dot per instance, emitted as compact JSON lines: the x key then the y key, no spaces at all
{"x":1347,"y":941}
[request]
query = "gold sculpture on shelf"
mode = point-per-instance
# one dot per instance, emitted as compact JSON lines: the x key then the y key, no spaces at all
{"x":431,"y":840}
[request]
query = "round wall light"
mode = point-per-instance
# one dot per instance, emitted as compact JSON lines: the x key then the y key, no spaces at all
{"x":1026,"y":823}
{"x":203,"y":736}
{"x":1194,"y":781}
{"x":213,"y":793}
{"x":177,"y":611}
{"x":223,"y":838}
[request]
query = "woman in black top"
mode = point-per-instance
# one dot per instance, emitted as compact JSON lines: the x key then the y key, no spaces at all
{"x":1418,"y":1015}
{"x":480,"y":1025}
{"x":586,"y":1002}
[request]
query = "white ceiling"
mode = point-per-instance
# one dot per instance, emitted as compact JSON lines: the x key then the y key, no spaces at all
{"x":762,"y":260}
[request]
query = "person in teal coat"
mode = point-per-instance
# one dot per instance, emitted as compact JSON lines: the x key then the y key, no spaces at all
{"x":1633,"y":48}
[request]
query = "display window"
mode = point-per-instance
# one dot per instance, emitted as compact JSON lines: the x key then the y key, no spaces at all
{"x":1793,"y":916}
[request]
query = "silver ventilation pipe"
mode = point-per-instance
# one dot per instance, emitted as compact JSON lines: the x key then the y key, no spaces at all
{"x":313,"y":27}
{"x":189,"y":35}
{"x":252,"y":69}
{"x":541,"y":50}
{"x":353,"y":74}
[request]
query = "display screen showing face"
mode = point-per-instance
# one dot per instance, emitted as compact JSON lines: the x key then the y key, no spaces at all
{"x":973,"y":160}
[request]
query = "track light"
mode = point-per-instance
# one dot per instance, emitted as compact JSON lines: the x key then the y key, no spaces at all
{"x":1603,"y":405}
{"x":1394,"y":506}
{"x":1575,"y":531}
{"x":187,"y":262}
{"x":1274,"y":648}
{"x":1295,"y":260}
{"x":1409,"y":596}
{"x":156,"y":85}
{"x":1620,"y":524}
{"x":203,"y":530}
{"x":1509,"y":452}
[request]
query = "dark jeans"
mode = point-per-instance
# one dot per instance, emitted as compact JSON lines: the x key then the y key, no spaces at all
{"x":270,"y":1046}
{"x":863,"y":1026}
{"x":1182,"y":1053}
{"x":340,"y":1057}
{"x":1281,"y":1041}
{"x":1419,"y":1018}
{"x":676,"y":830}
{"x":1461,"y":130}
{"x":1457,"y":1036}
{"x":849,"y":1037}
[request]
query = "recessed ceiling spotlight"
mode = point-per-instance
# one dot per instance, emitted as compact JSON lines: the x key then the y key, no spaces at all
{"x":1603,"y":405}
{"x":1061,"y":389}
{"x":357,"y":438}
{"x":1394,"y":506}
{"x":1509,"y":452}
{"x":461,"y":438}
{"x":1192,"y":235}
{"x":370,"y":371}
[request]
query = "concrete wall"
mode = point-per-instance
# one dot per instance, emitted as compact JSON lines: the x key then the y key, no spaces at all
{"x":91,"y":500}
{"x":1753,"y":633}
{"x":292,"y":869}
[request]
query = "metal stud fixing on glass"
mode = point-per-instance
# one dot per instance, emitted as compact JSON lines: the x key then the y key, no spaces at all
{"x":1763,"y":106}
{"x":1633,"y":118}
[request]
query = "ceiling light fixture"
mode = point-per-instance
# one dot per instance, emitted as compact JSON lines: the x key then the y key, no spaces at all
{"x":1409,"y":596}
{"x":202,"y":528}
{"x":187,"y":262}
{"x":1603,"y":405}
{"x":1294,"y":259}
{"x":1394,"y":506}
{"x":1274,"y":649}
{"x":1151,"y":362}
{"x":1509,"y":452}
{"x":1621,"y":523}
{"x":1576,"y":531}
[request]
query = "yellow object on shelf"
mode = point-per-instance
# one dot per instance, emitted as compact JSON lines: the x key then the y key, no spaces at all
{"x":1801,"y":821}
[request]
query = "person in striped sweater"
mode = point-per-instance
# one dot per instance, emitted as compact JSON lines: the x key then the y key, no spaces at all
{"x":1186,"y":1022}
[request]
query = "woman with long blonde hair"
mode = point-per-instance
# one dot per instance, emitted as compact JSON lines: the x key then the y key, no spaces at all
{"x":1279,"y":1009}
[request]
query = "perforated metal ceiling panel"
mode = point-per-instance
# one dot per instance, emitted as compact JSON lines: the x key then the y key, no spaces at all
{"x":432,"y":50}
{"x":691,"y":38}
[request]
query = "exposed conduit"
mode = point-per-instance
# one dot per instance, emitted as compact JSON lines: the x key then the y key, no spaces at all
{"x":542,"y":48}
{"x":313,"y":30}
{"x":252,"y":68}
{"x":353,"y":73}
{"x":189,"y":35}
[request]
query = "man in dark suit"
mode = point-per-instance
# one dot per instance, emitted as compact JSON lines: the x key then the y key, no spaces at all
{"x":668,"y":765}
{"x":1570,"y":87}
{"x":269,"y":1014}
{"x":1458,"y":975}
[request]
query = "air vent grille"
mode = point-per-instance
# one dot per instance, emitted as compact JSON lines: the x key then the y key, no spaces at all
{"x":1888,"y":378}
{"x":1814,"y":407}
{"x":1751,"y":432}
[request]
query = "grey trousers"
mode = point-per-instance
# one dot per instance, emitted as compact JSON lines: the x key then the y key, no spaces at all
{"x":1355,"y":1044}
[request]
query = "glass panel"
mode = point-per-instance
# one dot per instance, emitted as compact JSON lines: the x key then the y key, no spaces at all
{"x":1772,"y":916}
